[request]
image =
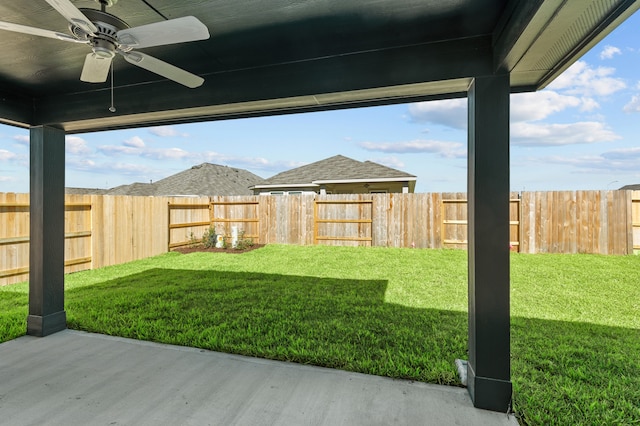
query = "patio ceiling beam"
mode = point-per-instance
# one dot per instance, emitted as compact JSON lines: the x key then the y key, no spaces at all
{"x":288,"y":87}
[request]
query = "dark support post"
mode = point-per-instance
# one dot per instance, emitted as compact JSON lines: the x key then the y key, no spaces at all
{"x":46,"y":247}
{"x":488,"y":369}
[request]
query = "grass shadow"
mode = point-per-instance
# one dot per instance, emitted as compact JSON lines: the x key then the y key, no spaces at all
{"x":563,"y":372}
{"x":337,"y":323}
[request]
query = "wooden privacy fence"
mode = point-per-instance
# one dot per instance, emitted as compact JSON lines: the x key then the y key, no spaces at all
{"x":106,"y":230}
{"x":99,"y":231}
{"x":14,"y":235}
{"x":540,"y":222}
{"x":635,"y":219}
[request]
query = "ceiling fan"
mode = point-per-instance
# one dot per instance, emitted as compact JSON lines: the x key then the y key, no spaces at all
{"x":108,"y":35}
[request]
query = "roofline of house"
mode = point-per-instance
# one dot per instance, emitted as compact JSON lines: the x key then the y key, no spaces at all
{"x":289,"y":185}
{"x":374,"y":180}
{"x":317,"y":183}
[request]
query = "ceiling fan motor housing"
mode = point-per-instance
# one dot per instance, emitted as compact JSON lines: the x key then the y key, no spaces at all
{"x":104,"y":43}
{"x":103,"y":48}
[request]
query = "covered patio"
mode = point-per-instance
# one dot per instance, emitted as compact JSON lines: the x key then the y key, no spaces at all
{"x":77,"y":378}
{"x":280,"y":57}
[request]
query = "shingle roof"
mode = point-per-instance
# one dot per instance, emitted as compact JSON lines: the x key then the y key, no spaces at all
{"x":136,"y":188}
{"x":208,"y":179}
{"x":334,"y":168}
{"x":84,"y":191}
{"x":203,"y":179}
{"x":634,"y":187}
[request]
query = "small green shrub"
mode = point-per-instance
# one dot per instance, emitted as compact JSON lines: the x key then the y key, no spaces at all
{"x":243,"y":243}
{"x":209,"y":238}
{"x":193,"y":241}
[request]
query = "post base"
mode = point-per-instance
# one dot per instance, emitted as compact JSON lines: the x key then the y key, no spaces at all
{"x":45,"y":325}
{"x":489,"y":394}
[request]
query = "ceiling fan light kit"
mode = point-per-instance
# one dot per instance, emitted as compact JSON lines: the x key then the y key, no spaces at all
{"x":108,"y":35}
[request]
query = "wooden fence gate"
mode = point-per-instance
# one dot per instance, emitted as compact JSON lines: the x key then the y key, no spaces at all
{"x":357,"y":229}
{"x":189,"y":221}
{"x":455,"y":222}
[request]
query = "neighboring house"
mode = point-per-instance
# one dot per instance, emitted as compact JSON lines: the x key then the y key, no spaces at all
{"x":204,"y":179}
{"x":338,"y":175}
{"x":634,"y":187}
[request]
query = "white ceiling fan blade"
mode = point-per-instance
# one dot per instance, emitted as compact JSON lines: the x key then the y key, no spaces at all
{"x":95,"y":69}
{"x":37,"y":32}
{"x":173,"y":31}
{"x":164,"y":69}
{"x":73,"y":15}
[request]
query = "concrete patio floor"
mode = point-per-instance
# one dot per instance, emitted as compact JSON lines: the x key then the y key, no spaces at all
{"x":76,"y":378}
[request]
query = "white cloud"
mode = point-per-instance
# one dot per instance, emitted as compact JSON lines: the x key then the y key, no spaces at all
{"x":579,"y":87}
{"x":450,"y":112}
{"x":581,"y":79}
{"x":24,"y":139}
{"x":166,"y":131}
{"x":529,"y":134}
{"x":135,"y":142}
{"x":588,"y":104}
{"x":135,"y":146}
{"x":443,"y":149}
{"x":76,"y":145}
{"x":132,"y":146}
{"x":539,"y":105}
{"x":119,"y":149}
{"x":390,"y":161}
{"x":167,"y":154}
{"x":633,"y":105}
{"x":8,"y":179}
{"x":609,"y":52}
{"x":623,"y":154}
{"x":83,"y":164}
{"x":7,"y":155}
{"x":602,"y":163}
{"x":258,"y":163}
{"x":110,"y":168}
{"x":131,"y":169}
{"x":254,"y":163}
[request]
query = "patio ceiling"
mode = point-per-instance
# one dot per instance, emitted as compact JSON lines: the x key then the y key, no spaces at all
{"x":278,"y":56}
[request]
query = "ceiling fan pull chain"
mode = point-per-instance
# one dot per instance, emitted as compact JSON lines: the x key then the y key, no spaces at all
{"x":112,"y":108}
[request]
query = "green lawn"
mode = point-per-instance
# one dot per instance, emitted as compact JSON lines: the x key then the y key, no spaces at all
{"x":394,"y":312}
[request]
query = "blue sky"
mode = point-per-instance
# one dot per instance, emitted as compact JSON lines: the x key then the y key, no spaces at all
{"x":581,"y":132}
